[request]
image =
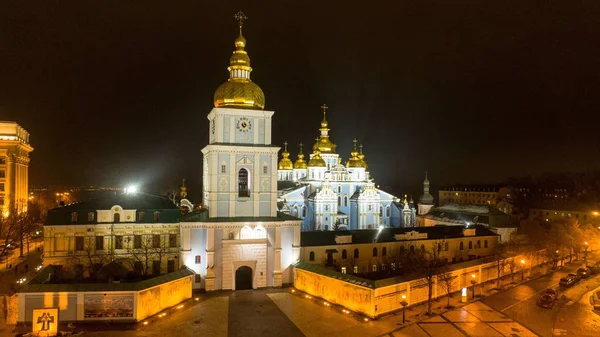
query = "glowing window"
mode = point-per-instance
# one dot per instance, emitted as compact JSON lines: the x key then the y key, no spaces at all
{"x":343,"y":270}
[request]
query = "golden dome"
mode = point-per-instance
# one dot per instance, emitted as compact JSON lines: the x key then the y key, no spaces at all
{"x":239,"y":91}
{"x":361,"y":156}
{"x":285,"y":163}
{"x":323,"y":144}
{"x":300,"y":163}
{"x":354,"y":161}
{"x":317,"y":160}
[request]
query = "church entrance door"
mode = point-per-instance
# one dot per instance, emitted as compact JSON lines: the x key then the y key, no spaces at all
{"x":243,"y":278}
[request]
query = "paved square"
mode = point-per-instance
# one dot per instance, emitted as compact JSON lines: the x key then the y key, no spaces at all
{"x":441,"y":329}
{"x":512,"y":329}
{"x":478,"y":330}
{"x":460,"y":315}
{"x":485,"y":313}
{"x":411,"y":331}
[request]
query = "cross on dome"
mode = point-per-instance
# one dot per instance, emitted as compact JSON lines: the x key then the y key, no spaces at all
{"x":240,"y":17}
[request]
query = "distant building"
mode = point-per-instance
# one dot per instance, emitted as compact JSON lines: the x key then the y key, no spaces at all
{"x":364,"y":251}
{"x":137,"y":230}
{"x":585,"y":215}
{"x":469,"y":215}
{"x":14,"y":167}
{"x":499,"y":196}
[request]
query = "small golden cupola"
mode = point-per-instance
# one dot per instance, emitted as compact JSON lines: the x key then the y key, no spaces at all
{"x":361,"y":156}
{"x":239,"y":91}
{"x":183,"y":190}
{"x":285,"y":163}
{"x":300,"y":163}
{"x":323,"y":143}
{"x":317,"y":160}
{"x":354,"y":161}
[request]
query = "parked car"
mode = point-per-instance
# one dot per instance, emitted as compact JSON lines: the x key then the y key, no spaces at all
{"x":569,"y":280}
{"x":594,"y":269}
{"x":546,"y":301}
{"x":583,"y":272}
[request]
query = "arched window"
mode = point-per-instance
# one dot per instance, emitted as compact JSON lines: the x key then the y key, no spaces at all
{"x":339,"y":200}
{"x":243,"y":190}
{"x":462,"y":246}
{"x":485,"y":244}
{"x":375,"y":251}
{"x":470,"y":244}
{"x":356,"y":253}
{"x":311,"y":256}
{"x":380,"y":210}
{"x":383,"y":251}
{"x":388,"y":211}
{"x":422,"y":248}
{"x":303,"y":211}
{"x":117,"y":217}
{"x":346,"y":200}
{"x":295,"y":210}
{"x":478,"y":243}
{"x":344,"y":254}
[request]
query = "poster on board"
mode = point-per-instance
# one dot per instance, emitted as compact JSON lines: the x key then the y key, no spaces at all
{"x":107,"y":306}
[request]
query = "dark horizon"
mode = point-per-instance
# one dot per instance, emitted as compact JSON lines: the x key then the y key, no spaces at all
{"x":114,"y":94}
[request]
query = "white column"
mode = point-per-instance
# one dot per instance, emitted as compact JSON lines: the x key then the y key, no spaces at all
{"x":210,"y":259}
{"x":277,"y":273}
{"x":232,"y":184}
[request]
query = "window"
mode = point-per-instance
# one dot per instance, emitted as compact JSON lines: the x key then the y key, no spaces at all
{"x":370,"y":207}
{"x":446,"y":246}
{"x":470,"y":244}
{"x":2,"y":174}
{"x":383,"y":267}
{"x":91,"y":216}
{"x":119,"y":242}
{"x":172,"y":240}
{"x":374,"y":268}
{"x":478,"y":243}
{"x":383,"y":251}
{"x":1,"y":187}
{"x":223,"y":168}
{"x":137,"y":241}
{"x":380,"y":210}
{"x":170,"y":266}
{"x":79,"y":243}
{"x":355,"y":270}
{"x":243,"y":190}
{"x":141,"y":216}
{"x":344,"y":254}
{"x":311,"y":256}
{"x":345,"y":200}
{"x":326,"y":207}
{"x":356,"y":253}
{"x":197,"y":278}
{"x":375,"y":251}
{"x":439,"y":247}
{"x":198,"y":259}
{"x":340,"y":189}
{"x":462,"y":246}
{"x":74,"y":217}
{"x":304,"y":211}
{"x":265,"y":169}
{"x":485,"y":244}
{"x":343,"y":270}
{"x":388,"y":211}
{"x":117,"y":217}
{"x":339,"y":200}
{"x":155,"y":267}
{"x":99,"y":242}
{"x":155,"y":241}
{"x":156,"y":216}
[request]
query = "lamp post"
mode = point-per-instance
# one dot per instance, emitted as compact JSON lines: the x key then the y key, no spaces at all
{"x":585,"y":251}
{"x":404,"y":304}
{"x":522,"y":270}
{"x":473,"y":282}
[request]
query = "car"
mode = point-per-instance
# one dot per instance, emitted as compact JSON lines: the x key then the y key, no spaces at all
{"x":583,"y":272}
{"x":551,"y":292}
{"x":546,"y":301}
{"x":569,"y":280}
{"x":595,"y":269}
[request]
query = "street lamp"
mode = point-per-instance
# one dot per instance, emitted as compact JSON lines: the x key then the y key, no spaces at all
{"x":522,"y":270}
{"x":585,"y":251}
{"x":404,"y":304}
{"x":473,"y":282}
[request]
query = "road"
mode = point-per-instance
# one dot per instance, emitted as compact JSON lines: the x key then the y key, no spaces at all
{"x":572,"y":315}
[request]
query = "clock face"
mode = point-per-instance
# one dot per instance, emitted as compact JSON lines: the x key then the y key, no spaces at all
{"x":244,"y":124}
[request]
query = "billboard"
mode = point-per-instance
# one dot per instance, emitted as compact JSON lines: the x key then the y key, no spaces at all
{"x":45,"y":322}
{"x":97,"y":306}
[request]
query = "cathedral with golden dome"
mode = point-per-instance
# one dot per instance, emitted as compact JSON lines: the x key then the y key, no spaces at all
{"x":330,"y":195}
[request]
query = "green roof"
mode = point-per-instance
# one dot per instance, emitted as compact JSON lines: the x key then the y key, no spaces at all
{"x":335,"y":274}
{"x":202,"y":216}
{"x":37,"y":283}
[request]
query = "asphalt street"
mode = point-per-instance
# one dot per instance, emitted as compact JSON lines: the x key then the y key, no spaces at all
{"x":571,"y":315}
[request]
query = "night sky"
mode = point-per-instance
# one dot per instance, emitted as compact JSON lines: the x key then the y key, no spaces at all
{"x":114,"y":92}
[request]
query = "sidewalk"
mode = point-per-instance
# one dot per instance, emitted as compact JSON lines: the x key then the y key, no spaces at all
{"x":418,"y":312}
{"x":13,"y":259}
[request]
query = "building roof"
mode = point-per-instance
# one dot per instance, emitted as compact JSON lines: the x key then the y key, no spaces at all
{"x":39,"y":283}
{"x":471,"y":188}
{"x":139,"y":201}
{"x":472,"y":214}
{"x":327,"y":238}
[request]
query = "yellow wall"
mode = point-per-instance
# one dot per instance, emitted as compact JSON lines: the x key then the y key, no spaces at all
{"x":151,"y":301}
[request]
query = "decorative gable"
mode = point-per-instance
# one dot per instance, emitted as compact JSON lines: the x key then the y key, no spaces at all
{"x":410,"y":236}
{"x":343,"y":239}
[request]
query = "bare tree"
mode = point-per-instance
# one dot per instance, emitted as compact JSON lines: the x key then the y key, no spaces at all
{"x":447,"y":280}
{"x":512,"y":265}
{"x":431,"y":264}
{"x":95,"y":259}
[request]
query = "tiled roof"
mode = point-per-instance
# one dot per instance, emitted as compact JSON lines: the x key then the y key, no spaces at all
{"x":327,"y":238}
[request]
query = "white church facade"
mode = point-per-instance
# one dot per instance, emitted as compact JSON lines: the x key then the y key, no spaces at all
{"x":240,"y":240}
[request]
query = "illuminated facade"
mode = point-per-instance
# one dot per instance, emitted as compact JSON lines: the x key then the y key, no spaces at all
{"x":14,"y":166}
{"x":239,"y":240}
{"x":328,"y":195}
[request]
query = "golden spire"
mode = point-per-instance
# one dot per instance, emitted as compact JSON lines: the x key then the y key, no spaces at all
{"x":361,"y":156}
{"x":239,"y":91}
{"x":354,"y":161}
{"x":300,"y":163}
{"x":323,"y":143}
{"x":285,"y":163}
{"x":183,"y":190}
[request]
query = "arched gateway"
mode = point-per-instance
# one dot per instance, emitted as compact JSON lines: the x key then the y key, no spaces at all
{"x":243,"y":278}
